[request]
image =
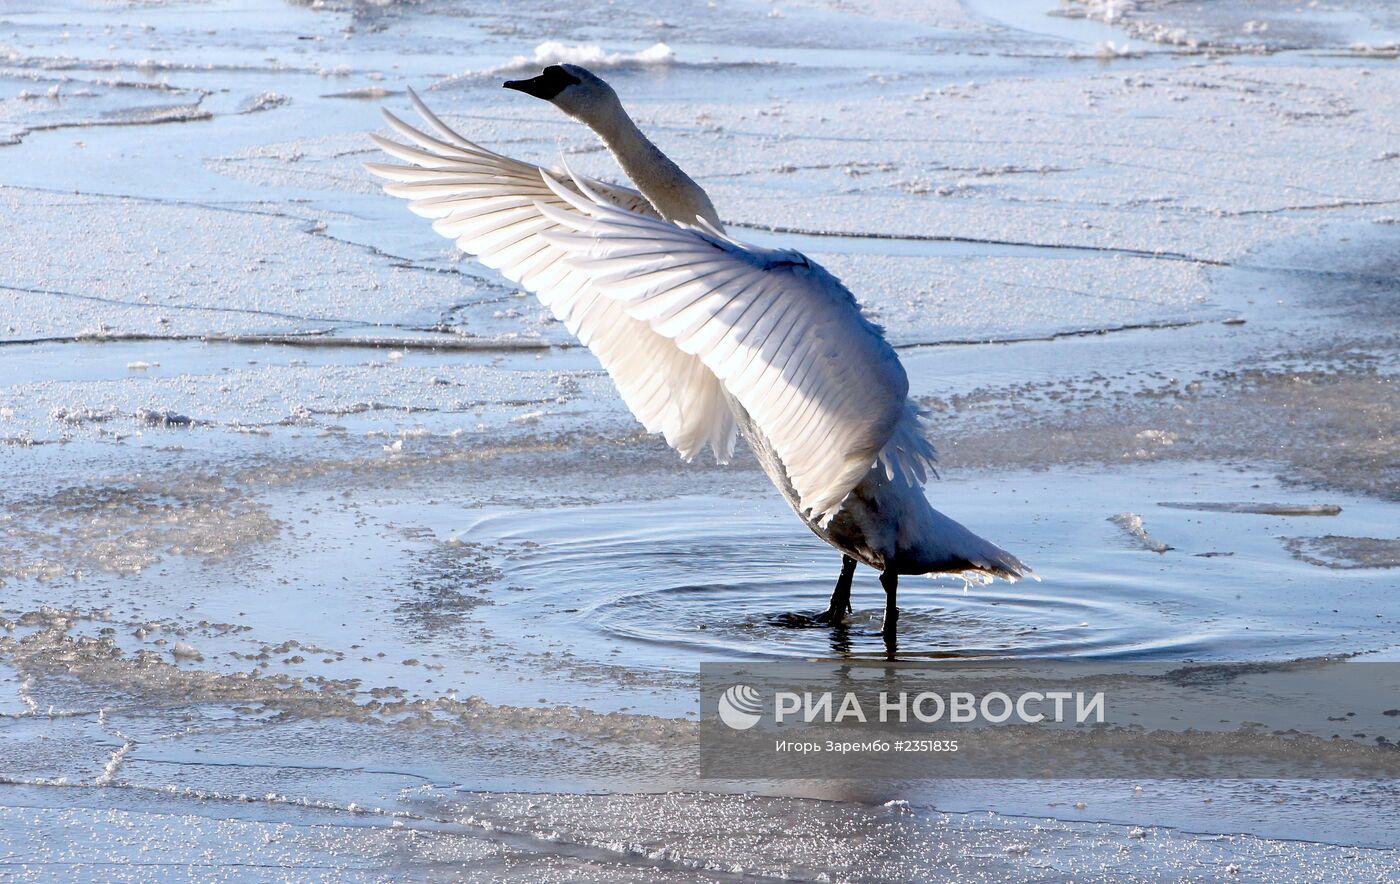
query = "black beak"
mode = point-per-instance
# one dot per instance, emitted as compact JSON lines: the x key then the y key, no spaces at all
{"x":535,"y":86}
{"x":547,"y":85}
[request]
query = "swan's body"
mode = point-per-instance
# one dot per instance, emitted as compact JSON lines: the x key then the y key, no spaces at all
{"x":704,"y":336}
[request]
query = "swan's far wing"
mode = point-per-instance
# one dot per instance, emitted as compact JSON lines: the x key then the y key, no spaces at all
{"x":490,"y":204}
{"x":785,"y":337}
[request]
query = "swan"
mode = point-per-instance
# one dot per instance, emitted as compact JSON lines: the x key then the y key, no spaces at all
{"x":705,"y":337}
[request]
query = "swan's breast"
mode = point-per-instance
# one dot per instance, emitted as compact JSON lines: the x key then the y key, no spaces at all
{"x":866,"y":525}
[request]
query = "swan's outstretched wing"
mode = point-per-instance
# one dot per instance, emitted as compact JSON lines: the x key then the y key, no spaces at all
{"x":785,"y":337}
{"x":490,"y":204}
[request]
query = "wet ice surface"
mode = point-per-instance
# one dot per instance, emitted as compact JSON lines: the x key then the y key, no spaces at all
{"x":322,"y":548}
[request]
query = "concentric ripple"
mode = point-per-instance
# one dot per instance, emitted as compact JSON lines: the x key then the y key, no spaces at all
{"x":679,"y":581}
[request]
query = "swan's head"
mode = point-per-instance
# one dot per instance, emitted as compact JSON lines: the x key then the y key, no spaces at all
{"x":574,"y":90}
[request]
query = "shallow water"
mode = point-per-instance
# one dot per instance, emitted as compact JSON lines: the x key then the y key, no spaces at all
{"x":278,"y":572}
{"x":676,"y":580}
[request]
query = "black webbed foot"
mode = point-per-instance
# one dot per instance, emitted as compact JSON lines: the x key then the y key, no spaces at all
{"x":794,"y":620}
{"x":835,"y":614}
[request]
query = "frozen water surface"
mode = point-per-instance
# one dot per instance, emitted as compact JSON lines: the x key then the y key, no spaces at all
{"x":325,"y":553}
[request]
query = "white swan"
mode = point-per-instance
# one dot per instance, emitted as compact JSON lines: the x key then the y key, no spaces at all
{"x":703,"y":335}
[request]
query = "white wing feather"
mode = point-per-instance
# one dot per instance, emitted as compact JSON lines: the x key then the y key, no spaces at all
{"x":492,"y":206}
{"x":786,"y":339}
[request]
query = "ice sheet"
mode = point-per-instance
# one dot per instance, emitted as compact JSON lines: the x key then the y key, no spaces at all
{"x":323,"y":548}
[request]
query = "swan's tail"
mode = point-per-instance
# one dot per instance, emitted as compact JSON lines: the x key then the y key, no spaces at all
{"x":1000,"y":563}
{"x":948,"y":547}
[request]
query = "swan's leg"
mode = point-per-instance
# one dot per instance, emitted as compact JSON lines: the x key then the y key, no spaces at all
{"x":890,"y":581}
{"x":841,"y":596}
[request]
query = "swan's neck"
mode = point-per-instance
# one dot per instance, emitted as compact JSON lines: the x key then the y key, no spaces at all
{"x":661,"y":181}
